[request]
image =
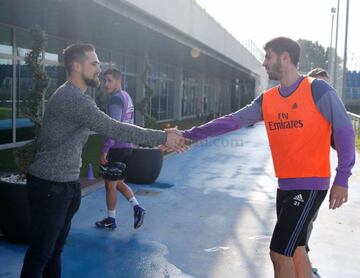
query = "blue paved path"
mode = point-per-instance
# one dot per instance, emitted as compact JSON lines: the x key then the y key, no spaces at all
{"x":211,"y":214}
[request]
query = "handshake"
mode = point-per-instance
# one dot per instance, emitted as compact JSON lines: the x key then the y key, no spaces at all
{"x":175,"y":141}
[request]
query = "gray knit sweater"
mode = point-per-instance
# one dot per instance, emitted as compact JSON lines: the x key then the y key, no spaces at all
{"x":69,"y":118}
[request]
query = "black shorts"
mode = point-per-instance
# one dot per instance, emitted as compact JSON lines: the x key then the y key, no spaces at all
{"x":120,"y":155}
{"x":295,"y":209}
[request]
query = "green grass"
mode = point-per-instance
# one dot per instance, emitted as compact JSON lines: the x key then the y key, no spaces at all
{"x":357,"y":142}
{"x":5,"y":113}
{"x":91,"y":154}
{"x":7,"y":163}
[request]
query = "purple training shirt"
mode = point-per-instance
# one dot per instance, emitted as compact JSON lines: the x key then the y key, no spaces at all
{"x":119,"y":107}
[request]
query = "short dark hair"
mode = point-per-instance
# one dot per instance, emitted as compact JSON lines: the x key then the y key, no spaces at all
{"x":318,"y":72}
{"x":114,"y":72}
{"x":282,"y":44}
{"x":76,"y":53}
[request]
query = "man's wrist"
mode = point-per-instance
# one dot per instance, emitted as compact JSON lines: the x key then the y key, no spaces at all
{"x":341,"y":180}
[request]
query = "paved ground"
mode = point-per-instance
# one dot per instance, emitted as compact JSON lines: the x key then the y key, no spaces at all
{"x":210,"y":214}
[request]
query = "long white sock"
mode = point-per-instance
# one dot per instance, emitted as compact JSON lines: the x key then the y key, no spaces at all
{"x":112,"y":213}
{"x":133,"y":201}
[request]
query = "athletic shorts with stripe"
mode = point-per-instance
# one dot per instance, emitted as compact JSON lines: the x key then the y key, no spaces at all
{"x":295,"y":210}
{"x":120,"y":155}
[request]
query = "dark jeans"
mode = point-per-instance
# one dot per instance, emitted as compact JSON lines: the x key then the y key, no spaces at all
{"x":52,"y":206}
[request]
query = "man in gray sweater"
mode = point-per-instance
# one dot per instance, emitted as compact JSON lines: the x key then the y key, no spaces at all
{"x":53,"y":187}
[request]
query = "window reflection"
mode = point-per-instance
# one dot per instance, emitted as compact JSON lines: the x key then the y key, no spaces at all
{"x":24,"y":126}
{"x":118,"y":61}
{"x":104,"y":57}
{"x":57,"y":76}
{"x":129,"y":85}
{"x":5,"y":40}
{"x":192,"y":99}
{"x":126,"y":64}
{"x":54,"y":48}
{"x":162,"y":103}
{"x":23,"y":42}
{"x":6,"y":88}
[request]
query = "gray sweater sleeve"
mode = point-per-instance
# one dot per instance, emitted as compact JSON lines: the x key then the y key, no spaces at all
{"x":87,"y":114}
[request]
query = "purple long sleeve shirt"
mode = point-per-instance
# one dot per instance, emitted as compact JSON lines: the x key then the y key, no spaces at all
{"x":118,"y":102}
{"x":329,"y":106}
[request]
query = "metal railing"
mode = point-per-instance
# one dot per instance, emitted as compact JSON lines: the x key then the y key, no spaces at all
{"x":356,"y":123}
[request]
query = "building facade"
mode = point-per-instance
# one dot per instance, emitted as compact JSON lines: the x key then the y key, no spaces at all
{"x":194,"y":66}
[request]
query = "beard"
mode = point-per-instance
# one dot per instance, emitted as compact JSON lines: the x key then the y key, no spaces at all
{"x":275,"y":72}
{"x":93,"y":83}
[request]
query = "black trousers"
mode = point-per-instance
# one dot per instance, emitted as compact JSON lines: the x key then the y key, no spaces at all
{"x":52,"y":206}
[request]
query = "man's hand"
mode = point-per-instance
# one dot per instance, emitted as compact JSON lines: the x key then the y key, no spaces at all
{"x":175,"y":141}
{"x":103,"y":158}
{"x":178,"y":132}
{"x":338,"y":196}
{"x":173,"y":130}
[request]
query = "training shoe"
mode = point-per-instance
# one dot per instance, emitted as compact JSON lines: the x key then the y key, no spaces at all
{"x":315,"y":273}
{"x":139,"y":214}
{"x":107,"y":223}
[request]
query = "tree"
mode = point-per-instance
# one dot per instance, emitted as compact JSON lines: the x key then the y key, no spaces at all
{"x":143,"y":105}
{"x":32,"y":101}
{"x":313,"y":55}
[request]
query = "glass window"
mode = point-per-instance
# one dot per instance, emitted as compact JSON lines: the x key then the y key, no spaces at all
{"x":163,"y":72}
{"x":237,"y":95}
{"x":6,"y":100}
{"x":171,"y":99}
{"x":23,"y":42}
{"x":210,"y":100}
{"x":348,"y":93}
{"x":103,"y":55}
{"x":24,"y":126}
{"x":5,"y":40}
{"x":154,"y":71}
{"x":189,"y":76}
{"x":130,"y":64}
{"x":162,"y":103}
{"x":171,"y":72}
{"x":154,"y":102}
{"x":166,"y":105}
{"x":54,"y":48}
{"x":100,"y":95}
{"x":129,"y":85}
{"x":118,"y":61}
{"x":162,"y":100}
{"x":192,"y":99}
{"x":57,"y":76}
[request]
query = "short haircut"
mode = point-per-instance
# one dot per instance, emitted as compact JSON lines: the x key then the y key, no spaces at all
{"x":114,"y":72}
{"x":282,"y":44}
{"x":76,"y":53}
{"x":318,"y":72}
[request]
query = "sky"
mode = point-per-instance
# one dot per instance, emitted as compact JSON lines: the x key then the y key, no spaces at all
{"x":262,"y":20}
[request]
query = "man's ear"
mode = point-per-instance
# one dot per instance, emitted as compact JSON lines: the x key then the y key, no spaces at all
{"x":286,"y":57}
{"x":77,"y":67}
